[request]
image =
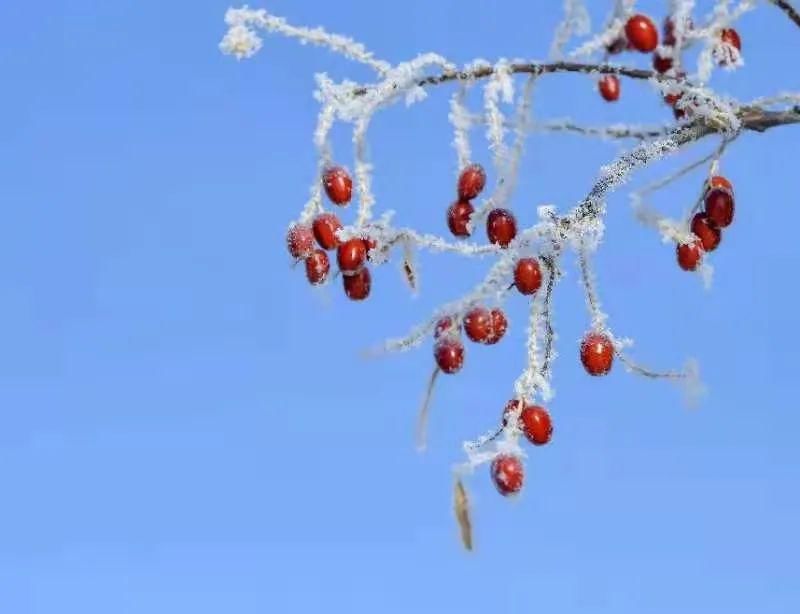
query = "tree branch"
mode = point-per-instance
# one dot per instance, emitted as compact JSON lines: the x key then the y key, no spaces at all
{"x":787,"y":8}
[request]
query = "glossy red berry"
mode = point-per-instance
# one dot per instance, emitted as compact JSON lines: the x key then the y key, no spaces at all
{"x":689,"y":255}
{"x":478,"y":324}
{"x":507,"y":474}
{"x":642,"y":33}
{"x":597,"y":353}
{"x":608,"y":86}
{"x":501,"y":227}
{"x":527,"y":275}
{"x":499,"y":326}
{"x":325,"y":226}
{"x":661,"y":63}
{"x":338,"y":185}
{"x":471,"y":182}
{"x":445,"y":327}
{"x":708,"y":233}
{"x":718,"y":181}
{"x":534,"y":422}
{"x":449,"y":354}
{"x":317,"y":266}
{"x":351,"y":255}
{"x":719,"y":207}
{"x":300,"y":241}
{"x":669,"y":30}
{"x":458,"y":216}
{"x":358,"y":285}
{"x":731,"y":36}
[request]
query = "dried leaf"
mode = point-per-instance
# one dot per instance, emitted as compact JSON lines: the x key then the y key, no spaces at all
{"x":461,"y":503}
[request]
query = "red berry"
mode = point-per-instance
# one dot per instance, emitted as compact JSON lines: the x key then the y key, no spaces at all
{"x":597,"y":353}
{"x":718,"y":181}
{"x":534,"y":422}
{"x":444,"y":327}
{"x":709,"y":235}
{"x":338,"y":185}
{"x":351,"y":255}
{"x":317,"y":266}
{"x":507,"y":474}
{"x":527,"y":275}
{"x":719,"y":207}
{"x":478,"y":324}
{"x":358,"y":285}
{"x":689,"y":255}
{"x":501,"y":226}
{"x":300,"y":241}
{"x":458,"y":215}
{"x":471,"y":182}
{"x":731,"y":36}
{"x":325,"y":226}
{"x":661,"y":63}
{"x":609,"y":88}
{"x":449,"y":354}
{"x":642,"y":33}
{"x":669,"y":30}
{"x":499,"y":326}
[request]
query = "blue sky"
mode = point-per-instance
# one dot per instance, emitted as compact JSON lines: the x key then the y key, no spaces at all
{"x":188,"y":427}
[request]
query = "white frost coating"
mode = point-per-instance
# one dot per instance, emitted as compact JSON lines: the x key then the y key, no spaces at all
{"x":520,"y":127}
{"x":460,"y":118}
{"x":499,"y":84}
{"x":576,"y":23}
{"x":692,"y":386}
{"x":244,"y":42}
{"x":363,"y":179}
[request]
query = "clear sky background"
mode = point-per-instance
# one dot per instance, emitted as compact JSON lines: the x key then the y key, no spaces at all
{"x":188,"y":427}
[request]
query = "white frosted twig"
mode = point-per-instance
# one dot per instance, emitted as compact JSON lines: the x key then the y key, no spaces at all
{"x":460,"y":119}
{"x":242,"y":41}
{"x":362,"y":172}
{"x":520,"y":126}
{"x":576,"y":23}
{"x":500,"y":84}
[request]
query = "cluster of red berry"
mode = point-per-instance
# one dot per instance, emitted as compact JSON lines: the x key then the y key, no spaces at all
{"x":351,"y":255}
{"x":507,"y":470}
{"x":501,"y":225}
{"x":641,"y":35}
{"x":707,"y":224}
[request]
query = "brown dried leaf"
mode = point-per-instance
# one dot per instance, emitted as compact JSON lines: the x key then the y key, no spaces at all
{"x":461,"y":503}
{"x":422,"y":418}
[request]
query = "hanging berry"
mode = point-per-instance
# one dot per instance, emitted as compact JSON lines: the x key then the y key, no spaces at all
{"x":642,"y":33}
{"x":608,"y":86}
{"x":501,"y":227}
{"x":597,"y":353}
{"x":690,"y":255}
{"x":325,"y":227}
{"x":471,"y":182}
{"x":458,"y":216}
{"x":317,"y":266}
{"x":507,"y":474}
{"x":527,"y":275}
{"x":449,"y":354}
{"x":338,"y":185}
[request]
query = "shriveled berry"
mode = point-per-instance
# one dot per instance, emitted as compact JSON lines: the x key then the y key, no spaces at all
{"x":458,"y":216}
{"x":719,"y":207}
{"x":534,"y":422}
{"x":499,"y":326}
{"x":351,"y":255}
{"x":661,"y":63}
{"x":478,"y":324}
{"x":527,"y":275}
{"x":449,"y":354}
{"x":731,"y":36}
{"x":597,"y":353}
{"x":471,"y":182}
{"x":608,"y":86}
{"x":507,"y":474}
{"x":300,"y":240}
{"x":617,"y":46}
{"x":689,"y":255}
{"x":501,"y":227}
{"x":669,"y":30}
{"x":642,"y":33}
{"x":325,"y":226}
{"x":445,"y":327}
{"x":317,"y":266}
{"x":709,"y":234}
{"x":358,"y":285}
{"x":338,"y":185}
